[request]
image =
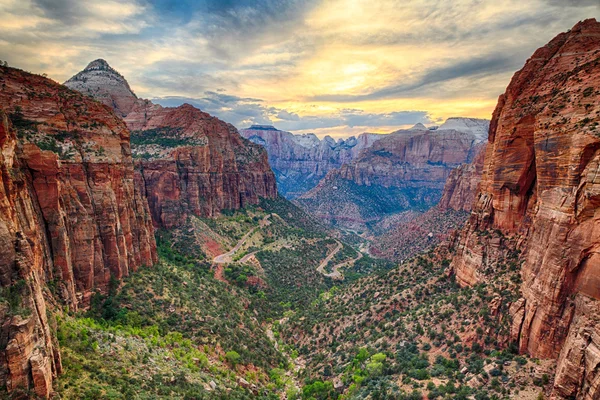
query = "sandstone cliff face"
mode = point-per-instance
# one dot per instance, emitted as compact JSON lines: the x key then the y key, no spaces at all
{"x":541,"y":185}
{"x":187,"y":162}
{"x":300,"y":161}
{"x":69,"y":214}
{"x":212,"y":168}
{"x":463,"y":184}
{"x":404,"y":170}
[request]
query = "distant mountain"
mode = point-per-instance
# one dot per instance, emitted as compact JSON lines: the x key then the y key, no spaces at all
{"x":188,"y":162}
{"x":405,"y":170}
{"x":301,"y":161}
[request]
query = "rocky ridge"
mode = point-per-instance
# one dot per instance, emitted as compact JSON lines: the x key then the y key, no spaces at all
{"x":541,"y":189}
{"x":404,"y":170}
{"x":300,"y":161}
{"x":187,"y":161}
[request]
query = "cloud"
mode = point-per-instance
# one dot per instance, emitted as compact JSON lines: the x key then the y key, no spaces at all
{"x":479,"y":66}
{"x":243,"y":112}
{"x":298,"y":64}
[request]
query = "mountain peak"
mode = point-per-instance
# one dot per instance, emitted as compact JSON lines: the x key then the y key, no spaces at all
{"x":102,"y":82}
{"x":98,"y":64}
{"x":418,"y":127}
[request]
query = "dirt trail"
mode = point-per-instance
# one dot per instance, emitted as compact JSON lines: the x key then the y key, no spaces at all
{"x":227,"y":258}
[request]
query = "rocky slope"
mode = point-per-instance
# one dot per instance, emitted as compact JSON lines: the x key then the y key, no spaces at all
{"x":404,"y":170}
{"x":71,"y":218}
{"x":187,"y":162}
{"x":301,"y":161}
{"x":404,"y":235}
{"x":541,"y":187}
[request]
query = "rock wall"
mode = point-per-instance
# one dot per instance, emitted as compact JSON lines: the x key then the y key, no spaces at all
{"x":70,"y":216}
{"x":187,"y":161}
{"x":463,"y":184}
{"x":404,"y":170}
{"x":301,"y":161}
{"x":541,"y":185}
{"x":211,"y":168}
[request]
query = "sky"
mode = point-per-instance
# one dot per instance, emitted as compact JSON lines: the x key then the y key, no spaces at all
{"x":332,"y":67}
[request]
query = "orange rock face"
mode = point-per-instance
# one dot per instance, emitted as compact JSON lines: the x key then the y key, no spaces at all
{"x":541,"y":185}
{"x":188,"y":162}
{"x":463,"y":184}
{"x":69,"y":214}
{"x":207,"y":168}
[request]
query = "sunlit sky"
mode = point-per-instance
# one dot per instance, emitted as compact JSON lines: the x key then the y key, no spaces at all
{"x":337,"y":67}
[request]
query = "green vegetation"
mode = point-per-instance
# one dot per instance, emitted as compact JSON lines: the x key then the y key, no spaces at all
{"x":164,"y":137}
{"x":410,"y":331}
{"x":13,"y":296}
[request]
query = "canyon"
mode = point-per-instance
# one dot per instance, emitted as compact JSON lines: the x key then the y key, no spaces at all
{"x":105,"y":198}
{"x":405,"y":170}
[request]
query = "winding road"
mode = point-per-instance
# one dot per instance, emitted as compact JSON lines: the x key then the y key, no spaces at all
{"x":321,"y":267}
{"x":336,"y":274}
{"x":227,"y":258}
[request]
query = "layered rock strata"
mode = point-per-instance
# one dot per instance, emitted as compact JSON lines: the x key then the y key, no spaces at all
{"x":301,"y":161}
{"x":541,"y":185}
{"x":187,"y":162}
{"x":71,"y":218}
{"x":404,"y":170}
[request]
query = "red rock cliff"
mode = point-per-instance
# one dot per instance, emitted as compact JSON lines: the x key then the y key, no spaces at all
{"x":541,"y":183}
{"x":463,"y":184}
{"x":188,"y":162}
{"x":69,"y":214}
{"x":206,"y":166}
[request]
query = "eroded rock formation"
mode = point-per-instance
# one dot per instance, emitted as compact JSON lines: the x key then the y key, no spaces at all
{"x":463,"y":184}
{"x":70,"y":216}
{"x":404,"y":170}
{"x":187,"y":162}
{"x":301,"y":161}
{"x":541,"y":185}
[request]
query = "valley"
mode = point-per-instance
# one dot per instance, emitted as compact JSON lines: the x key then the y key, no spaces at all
{"x":157,"y":252}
